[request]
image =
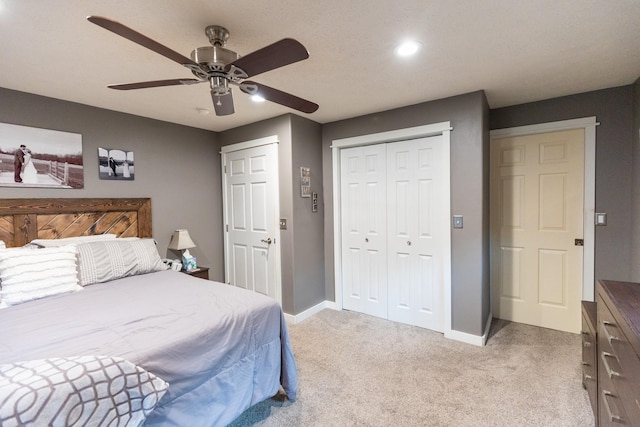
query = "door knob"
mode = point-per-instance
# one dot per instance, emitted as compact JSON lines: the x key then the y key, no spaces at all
{"x":267,"y":240}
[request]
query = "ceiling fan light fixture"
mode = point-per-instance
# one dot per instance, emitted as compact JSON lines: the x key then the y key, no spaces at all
{"x":408,"y":48}
{"x":219,"y":85}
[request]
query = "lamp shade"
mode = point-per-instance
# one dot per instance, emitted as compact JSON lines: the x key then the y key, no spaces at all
{"x":181,"y":240}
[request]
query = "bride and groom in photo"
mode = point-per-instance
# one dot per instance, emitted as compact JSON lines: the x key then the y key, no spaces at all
{"x":25,"y":171}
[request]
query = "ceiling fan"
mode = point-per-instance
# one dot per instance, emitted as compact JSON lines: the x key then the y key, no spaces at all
{"x":221,"y":67}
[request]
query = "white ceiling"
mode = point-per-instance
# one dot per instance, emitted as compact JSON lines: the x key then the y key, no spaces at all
{"x":517,"y":51}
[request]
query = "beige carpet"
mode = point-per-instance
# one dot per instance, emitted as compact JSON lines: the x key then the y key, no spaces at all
{"x":357,"y":370}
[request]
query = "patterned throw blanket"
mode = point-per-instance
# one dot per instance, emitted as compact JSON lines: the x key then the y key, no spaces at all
{"x":77,"y":391}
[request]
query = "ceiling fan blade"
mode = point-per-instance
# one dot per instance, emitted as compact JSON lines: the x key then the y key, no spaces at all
{"x":142,"y":40}
{"x":278,"y":54}
{"x":156,"y":83}
{"x":223,"y":104}
{"x":279,"y":97}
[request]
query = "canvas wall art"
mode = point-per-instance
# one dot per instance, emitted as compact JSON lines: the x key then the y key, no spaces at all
{"x":116,"y":164}
{"x":41,"y":158}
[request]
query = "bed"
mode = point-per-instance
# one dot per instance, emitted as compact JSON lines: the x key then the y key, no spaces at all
{"x":149,"y":345}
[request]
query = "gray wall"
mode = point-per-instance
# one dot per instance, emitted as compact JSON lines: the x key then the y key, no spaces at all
{"x":613,"y":109}
{"x":308,"y":227}
{"x":176,"y":166}
{"x":469,"y":195}
{"x":635,"y":243}
{"x":300,"y":244}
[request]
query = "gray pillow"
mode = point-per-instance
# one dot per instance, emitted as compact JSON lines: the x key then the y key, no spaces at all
{"x":113,"y":259}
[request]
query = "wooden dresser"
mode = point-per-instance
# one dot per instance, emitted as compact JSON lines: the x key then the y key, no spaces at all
{"x":618,"y":362}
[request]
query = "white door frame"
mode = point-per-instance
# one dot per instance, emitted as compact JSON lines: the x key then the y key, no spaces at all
{"x":275,"y":248}
{"x":589,"y":125}
{"x":444,"y":129}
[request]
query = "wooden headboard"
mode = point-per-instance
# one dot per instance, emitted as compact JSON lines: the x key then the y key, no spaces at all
{"x":22,"y":220}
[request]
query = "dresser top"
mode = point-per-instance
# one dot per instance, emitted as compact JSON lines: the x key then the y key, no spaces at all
{"x":626,"y":298}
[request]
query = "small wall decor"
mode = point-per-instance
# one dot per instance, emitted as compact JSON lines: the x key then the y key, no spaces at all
{"x":41,"y":158}
{"x":116,"y":164}
{"x":305,"y":182}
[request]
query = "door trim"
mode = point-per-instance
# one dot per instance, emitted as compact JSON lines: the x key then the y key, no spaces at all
{"x":589,"y":125}
{"x":254,"y":143}
{"x":442,"y":128}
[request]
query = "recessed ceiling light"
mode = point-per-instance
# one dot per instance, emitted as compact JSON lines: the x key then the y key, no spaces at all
{"x":203,"y":111}
{"x":257,"y":98}
{"x":408,"y":48}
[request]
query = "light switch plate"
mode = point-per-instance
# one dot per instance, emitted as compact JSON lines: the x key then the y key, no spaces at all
{"x":601,"y":218}
{"x":458,"y":221}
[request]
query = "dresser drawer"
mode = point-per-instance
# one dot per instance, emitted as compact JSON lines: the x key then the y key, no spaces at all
{"x":610,"y":410}
{"x":589,"y":362}
{"x":628,"y":382}
{"x":618,"y":370}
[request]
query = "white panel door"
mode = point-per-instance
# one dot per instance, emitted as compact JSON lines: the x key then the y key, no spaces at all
{"x":364,"y":233}
{"x":537,"y":190}
{"x":416,"y":232}
{"x":251,"y":204}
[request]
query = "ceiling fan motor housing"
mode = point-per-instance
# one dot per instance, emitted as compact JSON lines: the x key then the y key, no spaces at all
{"x":215,"y":57}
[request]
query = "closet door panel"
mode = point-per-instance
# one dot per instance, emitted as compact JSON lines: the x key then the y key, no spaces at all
{"x":364,"y":229}
{"x":415,"y":232}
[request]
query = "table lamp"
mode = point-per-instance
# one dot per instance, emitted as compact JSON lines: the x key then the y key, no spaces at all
{"x":181,"y":241}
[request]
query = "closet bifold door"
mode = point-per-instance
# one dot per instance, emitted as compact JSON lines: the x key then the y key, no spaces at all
{"x":364,"y":229}
{"x":415,"y":232}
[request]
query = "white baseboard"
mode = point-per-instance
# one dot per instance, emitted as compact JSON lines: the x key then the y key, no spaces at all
{"x":297,"y":318}
{"x":478,"y":340}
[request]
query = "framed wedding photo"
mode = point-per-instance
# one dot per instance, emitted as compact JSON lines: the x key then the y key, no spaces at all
{"x":40,"y":158}
{"x":116,"y":164}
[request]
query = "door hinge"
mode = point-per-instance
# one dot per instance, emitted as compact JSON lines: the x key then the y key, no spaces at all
{"x":579,"y":242}
{"x":226,"y":227}
{"x":225,"y":168}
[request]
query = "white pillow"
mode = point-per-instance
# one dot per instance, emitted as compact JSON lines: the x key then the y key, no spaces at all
{"x":82,"y":390}
{"x":49,"y":243}
{"x":28,"y":274}
{"x":109,"y":260}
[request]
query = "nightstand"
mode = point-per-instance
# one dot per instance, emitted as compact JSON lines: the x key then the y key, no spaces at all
{"x":201,"y":272}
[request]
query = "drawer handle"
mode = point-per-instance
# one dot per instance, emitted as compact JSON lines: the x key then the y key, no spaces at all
{"x":610,"y":371}
{"x":606,"y":331}
{"x":612,"y":417}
